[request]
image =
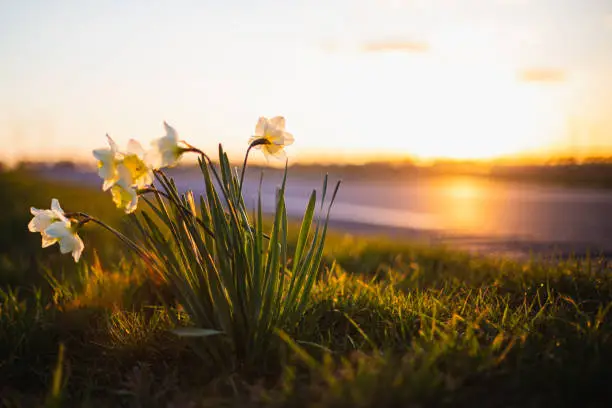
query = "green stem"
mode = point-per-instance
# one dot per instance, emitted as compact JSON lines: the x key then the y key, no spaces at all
{"x":88,"y":218}
{"x":246,"y":157}
{"x":180,"y":206}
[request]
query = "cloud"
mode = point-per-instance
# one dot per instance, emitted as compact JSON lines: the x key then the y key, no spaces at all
{"x":548,"y":75}
{"x":395,"y":46}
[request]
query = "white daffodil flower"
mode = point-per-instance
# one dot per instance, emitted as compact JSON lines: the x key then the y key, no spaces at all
{"x":133,"y":161}
{"x":166,"y":151}
{"x":55,"y":227}
{"x":44,"y":218}
{"x":107,"y":163}
{"x":271,"y":137}
{"x":124,"y":172}
{"x":124,"y":196}
{"x":65,"y":233}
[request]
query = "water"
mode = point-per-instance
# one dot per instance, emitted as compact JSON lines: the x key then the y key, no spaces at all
{"x":468,"y":212}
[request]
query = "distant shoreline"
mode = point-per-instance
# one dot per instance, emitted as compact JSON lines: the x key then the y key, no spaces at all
{"x":594,"y":174}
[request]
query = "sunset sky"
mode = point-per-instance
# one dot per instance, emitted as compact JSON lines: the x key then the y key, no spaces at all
{"x":356,"y":79}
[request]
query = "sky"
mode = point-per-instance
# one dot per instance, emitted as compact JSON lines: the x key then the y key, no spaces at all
{"x":355,"y":79}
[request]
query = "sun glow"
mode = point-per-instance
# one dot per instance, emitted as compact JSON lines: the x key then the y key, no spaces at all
{"x":431,"y":109}
{"x":358,"y":81}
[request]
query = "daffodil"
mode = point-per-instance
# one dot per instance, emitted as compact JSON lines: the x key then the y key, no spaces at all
{"x":65,"y":232}
{"x":108,"y":159}
{"x":138,"y":172}
{"x":55,"y":227}
{"x":166,"y":151}
{"x":124,"y":196}
{"x":271,"y":136}
{"x":44,"y":218}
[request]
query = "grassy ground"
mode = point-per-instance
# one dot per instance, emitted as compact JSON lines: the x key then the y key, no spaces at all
{"x":389,"y":324}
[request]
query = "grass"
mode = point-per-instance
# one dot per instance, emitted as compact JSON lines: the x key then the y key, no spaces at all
{"x":387,"y":324}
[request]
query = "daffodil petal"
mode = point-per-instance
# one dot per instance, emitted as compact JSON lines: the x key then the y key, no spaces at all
{"x":103,"y":155}
{"x":165,"y":152}
{"x":47,"y":240}
{"x":77,"y":247}
{"x":35,"y":211}
{"x":288,"y":139}
{"x":107,"y":166}
{"x":38,"y":224}
{"x":132,"y":205}
{"x":153,"y":158}
{"x":260,"y":128}
{"x":135,"y":148}
{"x":55,"y":206}
{"x":58,"y":229}
{"x":67,"y":243}
{"x":171,"y":133}
{"x":277,"y":122}
{"x":108,"y":183}
{"x":41,"y":221}
{"x":113,"y":146}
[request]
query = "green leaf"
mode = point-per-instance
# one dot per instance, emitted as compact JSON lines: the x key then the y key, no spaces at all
{"x":195,"y":332}
{"x":305,"y":229}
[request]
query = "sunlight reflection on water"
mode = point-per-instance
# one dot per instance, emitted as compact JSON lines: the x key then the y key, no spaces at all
{"x":464,"y":205}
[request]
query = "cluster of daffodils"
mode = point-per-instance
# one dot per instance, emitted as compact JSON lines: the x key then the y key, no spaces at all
{"x":127,"y":173}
